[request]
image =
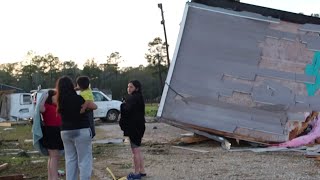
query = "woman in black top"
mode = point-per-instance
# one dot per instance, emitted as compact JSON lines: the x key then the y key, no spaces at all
{"x":75,"y":131}
{"x":132,"y":123}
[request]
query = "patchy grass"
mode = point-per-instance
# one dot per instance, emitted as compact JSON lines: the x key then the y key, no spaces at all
{"x":35,"y":166}
{"x":126,"y":166}
{"x":18,"y":135}
{"x":105,"y":150}
{"x":21,"y":163}
{"x":151,"y":110}
{"x":25,"y":166}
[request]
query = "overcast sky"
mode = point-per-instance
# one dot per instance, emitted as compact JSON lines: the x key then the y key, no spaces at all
{"x":81,"y":29}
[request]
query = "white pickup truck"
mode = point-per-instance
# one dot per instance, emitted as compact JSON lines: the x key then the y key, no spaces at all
{"x":108,"y":109}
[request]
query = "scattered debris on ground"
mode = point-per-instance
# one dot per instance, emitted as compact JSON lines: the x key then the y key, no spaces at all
{"x":13,"y":177}
{"x":190,"y":149}
{"x":5,"y":124}
{"x":109,"y":141}
{"x":3,"y":166}
{"x":8,"y":129}
{"x":204,"y":160}
{"x":189,"y":139}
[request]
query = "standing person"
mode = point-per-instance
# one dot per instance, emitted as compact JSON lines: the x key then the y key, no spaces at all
{"x":51,"y":137}
{"x":132,"y":123}
{"x":83,"y":84}
{"x":75,"y":131}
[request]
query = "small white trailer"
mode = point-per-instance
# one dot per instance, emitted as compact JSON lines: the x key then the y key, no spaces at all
{"x":16,"y":106}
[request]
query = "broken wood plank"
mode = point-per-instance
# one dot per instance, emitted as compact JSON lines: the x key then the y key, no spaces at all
{"x":12,"y":177}
{"x":5,"y":124}
{"x":318,"y":158}
{"x":299,"y":128}
{"x":213,"y":134}
{"x":191,"y":149}
{"x":200,"y":131}
{"x":193,"y":139}
{"x":312,"y":156}
{"x":3,"y":166}
{"x":190,"y":140}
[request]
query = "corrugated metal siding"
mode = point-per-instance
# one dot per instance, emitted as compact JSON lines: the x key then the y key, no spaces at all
{"x":240,"y":75}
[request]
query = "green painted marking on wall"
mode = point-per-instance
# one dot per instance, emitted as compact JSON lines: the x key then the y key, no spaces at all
{"x":313,"y":70}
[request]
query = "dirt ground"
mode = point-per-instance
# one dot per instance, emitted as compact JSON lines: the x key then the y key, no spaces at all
{"x":163,"y":161}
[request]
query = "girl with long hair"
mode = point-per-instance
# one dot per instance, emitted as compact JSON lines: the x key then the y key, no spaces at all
{"x":132,"y":123}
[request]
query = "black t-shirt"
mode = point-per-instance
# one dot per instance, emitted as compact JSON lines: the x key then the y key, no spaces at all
{"x":70,"y":113}
{"x":132,"y":120}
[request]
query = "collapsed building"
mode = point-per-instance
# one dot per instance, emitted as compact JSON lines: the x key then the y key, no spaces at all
{"x":242,"y":71}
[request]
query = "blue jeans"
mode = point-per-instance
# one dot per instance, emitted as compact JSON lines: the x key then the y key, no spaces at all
{"x":78,"y":153}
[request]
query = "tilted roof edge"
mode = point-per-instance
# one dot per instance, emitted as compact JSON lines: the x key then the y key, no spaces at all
{"x":269,"y":12}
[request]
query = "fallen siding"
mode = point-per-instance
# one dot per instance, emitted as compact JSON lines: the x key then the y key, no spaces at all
{"x":240,"y":75}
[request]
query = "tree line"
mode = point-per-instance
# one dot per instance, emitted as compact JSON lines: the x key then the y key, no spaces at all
{"x":45,"y":69}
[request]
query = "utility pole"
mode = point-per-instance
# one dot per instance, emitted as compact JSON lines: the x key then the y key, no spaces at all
{"x":30,"y":74}
{"x":165,"y":33}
